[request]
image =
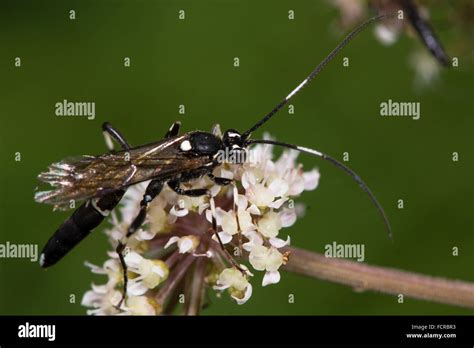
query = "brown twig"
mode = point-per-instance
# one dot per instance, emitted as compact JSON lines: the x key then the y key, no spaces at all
{"x":196,"y":288}
{"x":386,"y":280}
{"x":173,"y":279}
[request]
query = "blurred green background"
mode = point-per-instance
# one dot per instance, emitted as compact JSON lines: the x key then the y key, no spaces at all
{"x":190,"y":62}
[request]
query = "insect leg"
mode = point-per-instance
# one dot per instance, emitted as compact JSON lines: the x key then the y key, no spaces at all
{"x":174,"y":184}
{"x":218,"y":180}
{"x":213,"y":229}
{"x":216,"y":130}
{"x":174,"y":130}
{"x":236,"y":209}
{"x":111,"y":131}
{"x":153,"y":189}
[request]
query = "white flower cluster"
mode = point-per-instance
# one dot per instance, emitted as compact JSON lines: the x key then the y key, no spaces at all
{"x":250,"y":214}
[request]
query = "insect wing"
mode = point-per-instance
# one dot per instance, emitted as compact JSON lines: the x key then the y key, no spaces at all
{"x":80,"y":178}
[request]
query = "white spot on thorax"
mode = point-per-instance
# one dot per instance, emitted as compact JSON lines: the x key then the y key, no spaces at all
{"x":185,"y":145}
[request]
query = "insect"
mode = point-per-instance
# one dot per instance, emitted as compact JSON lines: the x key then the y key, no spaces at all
{"x":101,"y":181}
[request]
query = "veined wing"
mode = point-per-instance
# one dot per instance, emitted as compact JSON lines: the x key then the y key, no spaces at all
{"x":92,"y":176}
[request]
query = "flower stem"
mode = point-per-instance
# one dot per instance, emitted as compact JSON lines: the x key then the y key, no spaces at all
{"x":174,"y":279}
{"x":196,"y":287}
{"x":386,"y":280}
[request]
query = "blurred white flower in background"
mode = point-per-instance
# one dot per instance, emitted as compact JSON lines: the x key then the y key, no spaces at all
{"x":351,"y":12}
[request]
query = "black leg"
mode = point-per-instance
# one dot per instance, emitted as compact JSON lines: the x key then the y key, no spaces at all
{"x":119,"y":250}
{"x":115,"y":134}
{"x":213,"y":230}
{"x":219,"y":181}
{"x":154,"y":188}
{"x":174,"y":130}
{"x":174,"y":184}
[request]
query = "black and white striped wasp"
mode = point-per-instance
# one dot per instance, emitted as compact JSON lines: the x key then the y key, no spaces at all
{"x":101,"y":181}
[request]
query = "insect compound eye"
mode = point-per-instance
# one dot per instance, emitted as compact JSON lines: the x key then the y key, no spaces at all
{"x":203,"y":143}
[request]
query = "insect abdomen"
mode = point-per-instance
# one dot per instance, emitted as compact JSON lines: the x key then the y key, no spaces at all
{"x":78,"y":226}
{"x":70,"y":233}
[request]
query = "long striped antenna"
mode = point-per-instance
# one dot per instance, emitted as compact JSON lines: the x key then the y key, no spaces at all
{"x":316,"y":71}
{"x":338,"y":164}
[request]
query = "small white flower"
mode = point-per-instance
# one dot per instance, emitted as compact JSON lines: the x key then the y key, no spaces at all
{"x":288,"y":217}
{"x":156,"y":219}
{"x":150,"y":273}
{"x":269,"y":224}
{"x":261,"y":153}
{"x":237,"y":284}
{"x":111,"y":268}
{"x":386,"y":35}
{"x":102,"y":299}
{"x":225,"y":237}
{"x":260,"y":195}
{"x":178,"y":211}
{"x":139,"y":305}
{"x":186,"y":244}
{"x":193,"y":203}
{"x":271,"y":278}
{"x":228,"y":222}
{"x":255,"y":239}
{"x":427,"y":69}
{"x":279,"y":243}
{"x":266,"y":259}
{"x":130,"y":204}
{"x":279,"y":187}
{"x":311,"y":179}
{"x":263,"y":258}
